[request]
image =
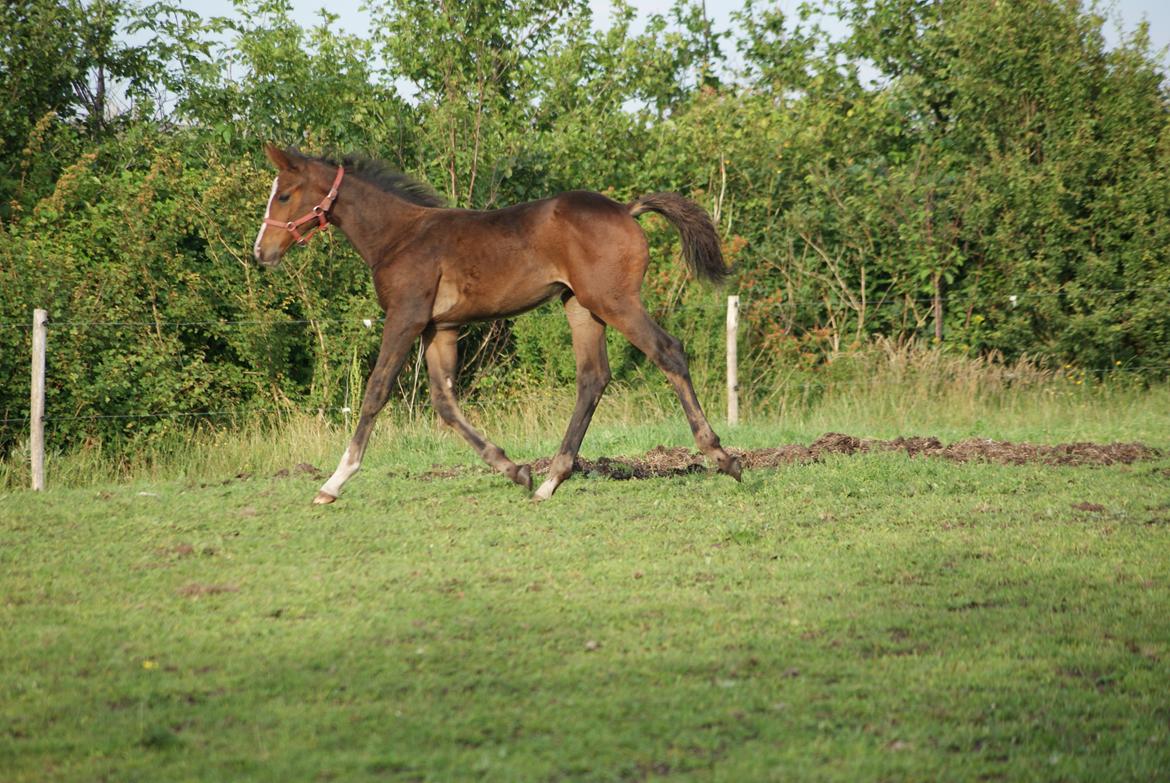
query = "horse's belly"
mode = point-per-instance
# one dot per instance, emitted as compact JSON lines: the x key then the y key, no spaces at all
{"x":460,"y":304}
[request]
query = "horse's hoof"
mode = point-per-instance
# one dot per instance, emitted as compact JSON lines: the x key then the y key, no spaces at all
{"x":546,"y":490}
{"x":523,"y":477}
{"x":731,"y":467}
{"x":323,"y":498}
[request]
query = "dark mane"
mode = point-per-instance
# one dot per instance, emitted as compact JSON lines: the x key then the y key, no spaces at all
{"x":387,"y":178}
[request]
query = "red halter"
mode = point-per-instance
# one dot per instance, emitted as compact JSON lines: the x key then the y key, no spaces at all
{"x":318,"y":214}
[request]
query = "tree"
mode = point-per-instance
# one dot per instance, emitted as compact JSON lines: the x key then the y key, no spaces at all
{"x":63,"y":61}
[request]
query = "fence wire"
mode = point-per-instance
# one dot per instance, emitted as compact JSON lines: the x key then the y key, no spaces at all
{"x":747,"y":308}
{"x":747,"y":303}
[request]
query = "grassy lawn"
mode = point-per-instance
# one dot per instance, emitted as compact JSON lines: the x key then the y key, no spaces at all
{"x":872,"y":617}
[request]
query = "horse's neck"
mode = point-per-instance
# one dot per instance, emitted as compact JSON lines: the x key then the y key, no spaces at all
{"x":369,"y":217}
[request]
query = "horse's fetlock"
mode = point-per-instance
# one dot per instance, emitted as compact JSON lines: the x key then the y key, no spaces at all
{"x":729,"y":465}
{"x":522,"y":475}
{"x":562,"y":466}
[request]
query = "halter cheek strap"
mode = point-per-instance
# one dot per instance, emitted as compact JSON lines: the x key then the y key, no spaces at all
{"x":319,"y":214}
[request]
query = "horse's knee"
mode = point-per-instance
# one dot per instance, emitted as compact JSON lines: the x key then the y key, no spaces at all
{"x":592,"y":384}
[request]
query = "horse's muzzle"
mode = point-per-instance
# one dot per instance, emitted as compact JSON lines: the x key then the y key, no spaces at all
{"x":269,"y":259}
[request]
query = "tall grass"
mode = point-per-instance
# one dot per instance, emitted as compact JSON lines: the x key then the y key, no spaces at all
{"x":895,"y":388}
{"x":885,"y":390}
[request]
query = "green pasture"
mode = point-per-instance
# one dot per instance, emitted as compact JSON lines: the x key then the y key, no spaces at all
{"x":871,"y":617}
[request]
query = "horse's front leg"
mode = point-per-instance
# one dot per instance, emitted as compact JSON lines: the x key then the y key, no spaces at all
{"x":398,"y":335}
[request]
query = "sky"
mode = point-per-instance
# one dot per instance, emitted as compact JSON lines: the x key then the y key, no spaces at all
{"x":1129,"y":14}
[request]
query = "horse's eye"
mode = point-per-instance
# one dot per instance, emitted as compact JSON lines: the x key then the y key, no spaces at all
{"x":283,"y":197}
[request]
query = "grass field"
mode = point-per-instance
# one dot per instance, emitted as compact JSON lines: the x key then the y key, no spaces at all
{"x":872,"y":617}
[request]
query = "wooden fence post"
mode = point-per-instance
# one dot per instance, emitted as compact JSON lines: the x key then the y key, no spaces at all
{"x":733,"y":360}
{"x":37,"y":401}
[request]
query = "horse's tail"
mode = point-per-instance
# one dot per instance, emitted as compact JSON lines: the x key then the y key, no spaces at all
{"x":700,"y":242}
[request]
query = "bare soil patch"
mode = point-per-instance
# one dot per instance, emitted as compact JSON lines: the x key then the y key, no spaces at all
{"x":198,"y":590}
{"x":673,"y":461}
{"x":301,"y":469}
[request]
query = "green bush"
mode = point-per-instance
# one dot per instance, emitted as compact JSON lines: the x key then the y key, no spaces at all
{"x":1000,"y":184}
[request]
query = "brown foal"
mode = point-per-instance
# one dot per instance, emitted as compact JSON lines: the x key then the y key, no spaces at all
{"x":435,"y":269}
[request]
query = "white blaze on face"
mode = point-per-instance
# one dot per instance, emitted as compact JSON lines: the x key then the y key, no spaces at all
{"x":267,"y":214}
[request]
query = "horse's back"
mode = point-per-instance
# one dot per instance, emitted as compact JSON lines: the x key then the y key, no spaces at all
{"x":584,"y":201}
{"x":504,"y":261}
{"x":571,"y":223}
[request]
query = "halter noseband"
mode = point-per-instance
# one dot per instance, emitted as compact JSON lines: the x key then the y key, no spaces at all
{"x":318,"y":213}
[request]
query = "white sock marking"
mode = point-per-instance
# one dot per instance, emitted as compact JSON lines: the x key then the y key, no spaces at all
{"x":546,"y":489}
{"x":345,"y":469}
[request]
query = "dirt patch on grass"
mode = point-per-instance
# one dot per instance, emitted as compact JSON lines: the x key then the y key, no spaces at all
{"x":197,"y":590}
{"x":301,"y":469}
{"x":673,"y":461}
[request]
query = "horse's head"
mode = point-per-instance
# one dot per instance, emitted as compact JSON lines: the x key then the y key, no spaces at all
{"x":297,"y":199}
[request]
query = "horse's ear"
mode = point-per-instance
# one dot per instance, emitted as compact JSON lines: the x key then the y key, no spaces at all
{"x":280,"y":158}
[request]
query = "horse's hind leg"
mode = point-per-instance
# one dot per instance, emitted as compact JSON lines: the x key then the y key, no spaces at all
{"x":666,"y":351}
{"x":592,"y":378}
{"x":442,"y":356}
